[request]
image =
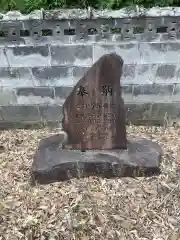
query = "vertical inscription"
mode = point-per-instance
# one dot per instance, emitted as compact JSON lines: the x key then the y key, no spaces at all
{"x":99,"y":117}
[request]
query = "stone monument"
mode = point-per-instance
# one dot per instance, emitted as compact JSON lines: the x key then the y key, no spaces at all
{"x":96,"y":144}
{"x":94,"y":114}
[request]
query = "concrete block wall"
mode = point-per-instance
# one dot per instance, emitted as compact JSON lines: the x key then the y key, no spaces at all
{"x":44,"y":54}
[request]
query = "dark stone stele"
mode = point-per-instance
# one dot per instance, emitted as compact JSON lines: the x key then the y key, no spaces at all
{"x":94,"y":113}
{"x":96,"y":143}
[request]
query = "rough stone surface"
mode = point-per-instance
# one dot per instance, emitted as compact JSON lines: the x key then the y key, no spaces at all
{"x":52,"y":164}
{"x":137,"y":11}
{"x":94,"y":114}
{"x":17,"y":15}
{"x":67,"y":14}
{"x":89,"y":13}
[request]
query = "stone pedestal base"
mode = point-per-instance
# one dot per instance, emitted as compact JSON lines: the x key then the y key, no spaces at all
{"x":52,"y":163}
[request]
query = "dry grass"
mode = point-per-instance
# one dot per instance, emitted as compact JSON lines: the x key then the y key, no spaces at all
{"x":90,"y":208}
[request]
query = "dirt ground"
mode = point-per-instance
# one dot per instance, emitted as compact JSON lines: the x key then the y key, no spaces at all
{"x":89,"y":208}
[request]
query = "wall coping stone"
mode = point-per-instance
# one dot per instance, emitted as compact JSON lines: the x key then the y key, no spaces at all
{"x":17,"y":15}
{"x":70,"y":14}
